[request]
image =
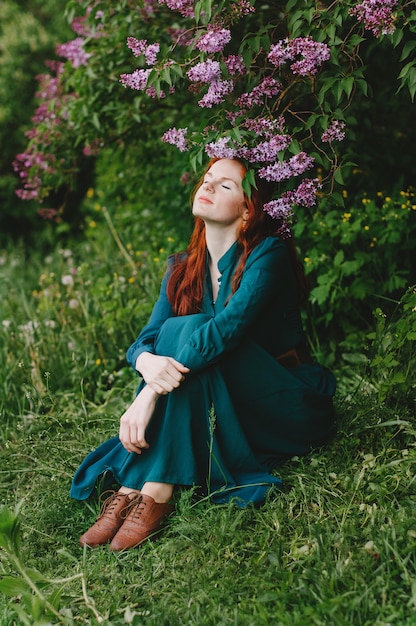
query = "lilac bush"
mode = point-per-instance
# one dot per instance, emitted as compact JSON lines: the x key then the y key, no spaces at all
{"x":271,"y":86}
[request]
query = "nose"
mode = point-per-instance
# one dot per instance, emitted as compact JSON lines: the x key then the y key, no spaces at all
{"x":207,"y":184}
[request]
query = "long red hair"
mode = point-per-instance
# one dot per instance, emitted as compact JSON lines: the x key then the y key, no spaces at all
{"x":185,"y":288}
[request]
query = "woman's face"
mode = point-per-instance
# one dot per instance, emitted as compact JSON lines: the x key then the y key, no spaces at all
{"x":220,"y":199}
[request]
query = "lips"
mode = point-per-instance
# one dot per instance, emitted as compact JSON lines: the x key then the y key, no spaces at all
{"x":204,"y":200}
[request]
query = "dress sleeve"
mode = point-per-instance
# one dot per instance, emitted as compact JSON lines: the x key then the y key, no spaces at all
{"x":263,"y":280}
{"x":162,"y":310}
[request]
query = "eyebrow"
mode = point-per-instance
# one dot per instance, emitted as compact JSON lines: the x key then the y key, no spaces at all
{"x":224,"y":178}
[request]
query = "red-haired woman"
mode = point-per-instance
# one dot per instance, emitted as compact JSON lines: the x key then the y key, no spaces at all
{"x":228,"y":390}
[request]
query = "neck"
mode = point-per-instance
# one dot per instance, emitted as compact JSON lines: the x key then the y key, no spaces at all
{"x":218,"y":241}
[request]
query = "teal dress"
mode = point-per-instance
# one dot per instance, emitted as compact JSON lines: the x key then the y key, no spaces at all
{"x":240,"y":411}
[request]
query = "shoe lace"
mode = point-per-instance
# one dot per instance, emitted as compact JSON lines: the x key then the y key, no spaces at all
{"x":109,"y":503}
{"x":136,"y":505}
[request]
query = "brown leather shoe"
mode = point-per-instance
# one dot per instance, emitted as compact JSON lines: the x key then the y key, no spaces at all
{"x":144,"y":520}
{"x":109,"y":519}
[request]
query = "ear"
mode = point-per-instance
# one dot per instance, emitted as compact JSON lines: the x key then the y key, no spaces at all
{"x":244,"y":213}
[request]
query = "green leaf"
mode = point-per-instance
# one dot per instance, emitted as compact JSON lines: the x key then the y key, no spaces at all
{"x":408,"y":48}
{"x":339,"y":257}
{"x":95,"y":120}
{"x":10,"y":530}
{"x":249,"y":182}
{"x":13,"y":586}
{"x":338,"y":176}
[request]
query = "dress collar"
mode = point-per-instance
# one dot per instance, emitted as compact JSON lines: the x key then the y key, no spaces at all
{"x":229,"y":259}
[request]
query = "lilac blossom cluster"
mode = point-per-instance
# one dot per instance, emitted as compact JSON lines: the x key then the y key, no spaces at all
{"x":334,"y":132}
{"x":177,"y":137}
{"x":267,"y":88}
{"x":283,"y":170}
{"x":139,"y":47}
{"x":74,"y":52}
{"x":136,"y":80}
{"x":184,"y":7}
{"x":209,"y":72}
{"x":35,"y":163}
{"x":312,"y":54}
{"x":214,"y":40}
{"x":23,"y":164}
{"x":304,"y":195}
{"x":377,"y":15}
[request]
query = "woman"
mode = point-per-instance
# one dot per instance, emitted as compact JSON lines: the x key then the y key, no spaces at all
{"x":228,"y":390}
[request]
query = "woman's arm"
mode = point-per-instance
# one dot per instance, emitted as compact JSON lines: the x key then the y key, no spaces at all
{"x":162,"y":374}
{"x":162,"y":310}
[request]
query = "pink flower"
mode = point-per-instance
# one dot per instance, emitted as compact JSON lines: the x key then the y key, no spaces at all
{"x":280,"y":208}
{"x":74,"y":52}
{"x":267,"y":88}
{"x":268,"y":151}
{"x":177,"y":137}
{"x":377,"y":15}
{"x":136,"y":46}
{"x":216,"y":93}
{"x":305,"y":194}
{"x":136,"y":80}
{"x":334,"y":132}
{"x":214,"y":40}
{"x":204,"y":72}
{"x":185,"y":7}
{"x":286,"y":169}
{"x":312,"y":54}
{"x":139,"y":46}
{"x":220,"y":149}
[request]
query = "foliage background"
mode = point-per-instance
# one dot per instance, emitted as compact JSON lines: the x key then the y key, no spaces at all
{"x":75,"y":292}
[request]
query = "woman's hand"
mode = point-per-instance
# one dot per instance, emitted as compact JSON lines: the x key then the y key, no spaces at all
{"x":134,"y":421}
{"x":162,"y":373}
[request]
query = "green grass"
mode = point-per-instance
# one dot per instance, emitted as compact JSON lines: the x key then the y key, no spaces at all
{"x":337,"y":547}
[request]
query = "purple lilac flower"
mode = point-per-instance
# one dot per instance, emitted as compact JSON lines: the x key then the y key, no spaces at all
{"x":267,"y":88}
{"x":137,"y":46}
{"x":312,"y":54}
{"x":282,"y":170}
{"x":264,"y":126}
{"x":280,"y":208}
{"x":24,"y":165}
{"x":305,"y":194}
{"x":151,"y":53}
{"x":268,"y":151}
{"x":136,"y":80}
{"x":334,"y":132}
{"x":235,"y":64}
{"x":276,"y":172}
{"x":74,"y":52}
{"x":152,"y":93}
{"x":216,"y":93}
{"x":220,"y":149}
{"x":185,"y":7}
{"x":177,"y":137}
{"x":301,"y":162}
{"x":280,"y":53}
{"x":377,"y":15}
{"x":205,"y":72}
{"x":79,"y":27}
{"x":214,"y":40}
{"x":242,"y":7}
